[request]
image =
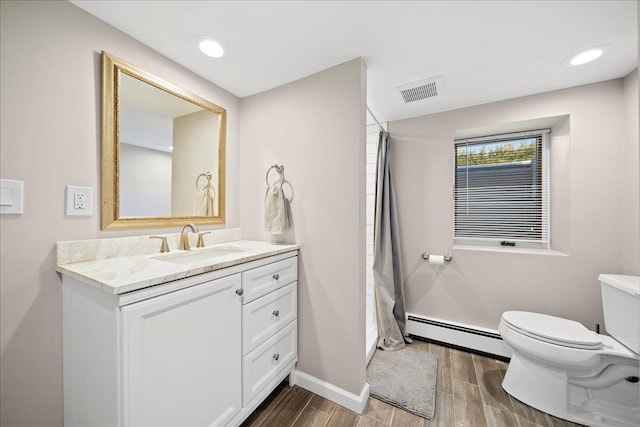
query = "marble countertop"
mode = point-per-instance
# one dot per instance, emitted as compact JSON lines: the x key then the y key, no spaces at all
{"x":122,"y":274}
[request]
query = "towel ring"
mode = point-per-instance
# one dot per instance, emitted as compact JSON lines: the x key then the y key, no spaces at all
{"x":280,"y":169}
{"x":290,"y":199}
{"x":208,"y":185}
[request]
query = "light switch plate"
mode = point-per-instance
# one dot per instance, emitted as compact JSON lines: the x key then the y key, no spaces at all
{"x":11,"y":197}
{"x":79,"y":201}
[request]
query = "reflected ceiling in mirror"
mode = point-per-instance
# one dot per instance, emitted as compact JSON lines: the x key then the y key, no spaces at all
{"x":163,"y":152}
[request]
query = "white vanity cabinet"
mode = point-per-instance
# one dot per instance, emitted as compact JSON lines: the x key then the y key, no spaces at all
{"x":203,"y":351}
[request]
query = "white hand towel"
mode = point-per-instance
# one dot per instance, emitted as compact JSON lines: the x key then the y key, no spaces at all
{"x":204,"y":202}
{"x":276,"y":217}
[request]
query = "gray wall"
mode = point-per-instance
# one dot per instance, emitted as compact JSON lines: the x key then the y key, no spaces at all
{"x":50,"y":137}
{"x":631,"y":181}
{"x":315,"y":127}
{"x":595,"y":173}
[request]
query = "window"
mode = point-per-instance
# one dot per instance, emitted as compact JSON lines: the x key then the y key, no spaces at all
{"x":501,"y":190}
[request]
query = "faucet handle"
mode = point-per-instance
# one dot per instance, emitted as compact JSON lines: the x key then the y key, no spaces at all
{"x":164,"y":246}
{"x":200,"y":243}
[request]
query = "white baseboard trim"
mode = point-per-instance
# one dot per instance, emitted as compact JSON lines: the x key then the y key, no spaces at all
{"x":458,"y":334}
{"x":335,"y":394}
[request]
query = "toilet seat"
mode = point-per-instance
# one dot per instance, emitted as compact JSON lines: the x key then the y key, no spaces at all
{"x":553,"y":330}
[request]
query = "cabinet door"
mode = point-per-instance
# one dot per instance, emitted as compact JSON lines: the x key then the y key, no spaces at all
{"x":182,"y":356}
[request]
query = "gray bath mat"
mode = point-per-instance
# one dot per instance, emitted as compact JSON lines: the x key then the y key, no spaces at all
{"x":405,"y":379}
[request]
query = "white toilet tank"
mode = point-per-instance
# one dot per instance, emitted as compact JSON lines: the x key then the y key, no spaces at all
{"x":621,"y":306}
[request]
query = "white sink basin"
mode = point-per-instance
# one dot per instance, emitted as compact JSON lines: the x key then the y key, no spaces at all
{"x":195,"y":255}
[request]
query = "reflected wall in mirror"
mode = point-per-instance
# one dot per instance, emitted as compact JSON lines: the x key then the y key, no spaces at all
{"x":163,"y":152}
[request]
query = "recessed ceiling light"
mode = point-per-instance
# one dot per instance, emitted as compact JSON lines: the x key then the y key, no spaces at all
{"x":210,"y":47}
{"x":586,"y":56}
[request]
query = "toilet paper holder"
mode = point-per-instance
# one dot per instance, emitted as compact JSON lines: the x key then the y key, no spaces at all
{"x":447,"y":257}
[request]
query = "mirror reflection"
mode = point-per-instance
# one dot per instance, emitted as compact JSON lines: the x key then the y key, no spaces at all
{"x":166,"y":143}
{"x":163,"y":152}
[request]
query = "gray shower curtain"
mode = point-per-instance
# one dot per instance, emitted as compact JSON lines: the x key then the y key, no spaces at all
{"x":387,"y":269}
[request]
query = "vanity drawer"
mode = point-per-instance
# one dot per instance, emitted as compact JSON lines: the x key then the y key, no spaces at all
{"x":263,"y":317}
{"x":268,"y":360}
{"x":262,"y":280}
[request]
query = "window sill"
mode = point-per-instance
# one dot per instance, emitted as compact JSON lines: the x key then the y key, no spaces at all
{"x":510,"y":250}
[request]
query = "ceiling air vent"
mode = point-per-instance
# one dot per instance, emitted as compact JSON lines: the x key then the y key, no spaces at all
{"x":418,"y":91}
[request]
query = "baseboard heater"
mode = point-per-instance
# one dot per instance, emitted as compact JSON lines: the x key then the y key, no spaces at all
{"x":479,"y":340}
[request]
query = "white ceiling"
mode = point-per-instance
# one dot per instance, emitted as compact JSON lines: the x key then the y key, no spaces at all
{"x":484,"y":50}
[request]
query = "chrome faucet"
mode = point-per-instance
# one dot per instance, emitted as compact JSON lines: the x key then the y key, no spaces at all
{"x":184,"y":236}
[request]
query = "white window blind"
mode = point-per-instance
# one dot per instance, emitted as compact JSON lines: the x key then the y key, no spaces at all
{"x":501,"y":190}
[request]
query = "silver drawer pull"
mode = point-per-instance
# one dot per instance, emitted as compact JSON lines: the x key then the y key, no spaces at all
{"x":240,"y":291}
{"x":276,"y":313}
{"x":276,"y":357}
{"x":276,"y":276}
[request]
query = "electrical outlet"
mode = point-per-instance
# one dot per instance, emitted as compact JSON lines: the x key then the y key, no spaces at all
{"x":79,"y":201}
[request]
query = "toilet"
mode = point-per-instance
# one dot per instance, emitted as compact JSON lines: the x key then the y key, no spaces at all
{"x":560,"y":367}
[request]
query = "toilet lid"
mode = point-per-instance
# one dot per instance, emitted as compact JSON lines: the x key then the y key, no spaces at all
{"x":551,"y":329}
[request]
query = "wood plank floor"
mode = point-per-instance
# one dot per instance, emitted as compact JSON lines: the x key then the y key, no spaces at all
{"x":468,"y":393}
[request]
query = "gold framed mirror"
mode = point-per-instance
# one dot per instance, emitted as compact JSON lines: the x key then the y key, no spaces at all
{"x":163,"y":152}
